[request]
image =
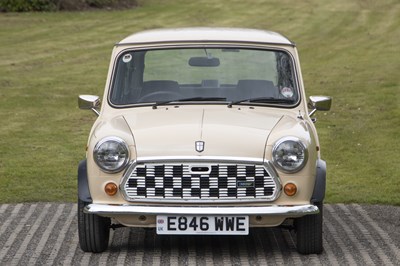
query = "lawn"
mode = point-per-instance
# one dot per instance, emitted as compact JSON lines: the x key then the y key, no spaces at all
{"x":349,"y":50}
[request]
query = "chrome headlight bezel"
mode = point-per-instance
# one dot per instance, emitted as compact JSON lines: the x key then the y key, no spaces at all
{"x":121,"y":151}
{"x":277,"y":156}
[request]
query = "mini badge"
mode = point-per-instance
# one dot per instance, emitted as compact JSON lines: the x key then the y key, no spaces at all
{"x":199,"y":146}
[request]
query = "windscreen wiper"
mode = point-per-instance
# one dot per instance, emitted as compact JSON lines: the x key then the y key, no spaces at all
{"x":261,"y":100}
{"x":189,"y":100}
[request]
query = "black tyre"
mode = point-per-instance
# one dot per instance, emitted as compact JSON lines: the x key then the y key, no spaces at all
{"x":309,"y":232}
{"x":94,"y":230}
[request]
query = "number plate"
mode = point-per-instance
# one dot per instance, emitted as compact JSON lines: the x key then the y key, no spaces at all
{"x":194,"y":225}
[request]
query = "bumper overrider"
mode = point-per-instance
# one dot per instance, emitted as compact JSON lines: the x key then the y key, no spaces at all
{"x":273,"y":210}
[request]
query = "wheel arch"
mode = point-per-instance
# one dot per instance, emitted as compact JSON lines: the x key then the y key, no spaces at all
{"x":83,"y":185}
{"x":320,"y":183}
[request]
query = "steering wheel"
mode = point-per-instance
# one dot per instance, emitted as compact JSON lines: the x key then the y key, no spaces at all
{"x":160,"y":96}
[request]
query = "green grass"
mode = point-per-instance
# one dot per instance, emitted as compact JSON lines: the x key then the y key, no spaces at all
{"x":349,"y":50}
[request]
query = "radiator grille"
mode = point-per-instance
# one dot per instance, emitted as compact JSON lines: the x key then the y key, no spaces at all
{"x":200,"y":182}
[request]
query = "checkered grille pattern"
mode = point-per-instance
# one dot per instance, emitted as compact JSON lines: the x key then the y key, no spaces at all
{"x":199,"y":182}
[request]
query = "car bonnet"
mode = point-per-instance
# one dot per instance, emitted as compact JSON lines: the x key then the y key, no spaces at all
{"x":190,"y":131}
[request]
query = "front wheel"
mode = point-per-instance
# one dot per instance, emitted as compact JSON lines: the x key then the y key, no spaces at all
{"x":309,"y":232}
{"x":93,"y":230}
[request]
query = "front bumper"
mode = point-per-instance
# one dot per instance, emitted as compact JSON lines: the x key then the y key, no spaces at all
{"x":273,"y":210}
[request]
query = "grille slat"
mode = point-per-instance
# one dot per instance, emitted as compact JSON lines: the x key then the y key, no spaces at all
{"x":177,"y":182}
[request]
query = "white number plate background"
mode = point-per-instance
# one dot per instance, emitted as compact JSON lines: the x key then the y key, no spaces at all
{"x":193,"y":225}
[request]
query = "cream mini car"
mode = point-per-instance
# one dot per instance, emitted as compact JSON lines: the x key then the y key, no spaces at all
{"x":203,"y":131}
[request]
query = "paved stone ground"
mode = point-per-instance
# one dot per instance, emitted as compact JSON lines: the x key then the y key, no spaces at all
{"x":46,"y":234}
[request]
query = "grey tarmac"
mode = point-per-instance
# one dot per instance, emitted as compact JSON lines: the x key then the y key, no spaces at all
{"x":46,"y":234}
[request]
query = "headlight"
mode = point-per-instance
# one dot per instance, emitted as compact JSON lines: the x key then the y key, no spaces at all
{"x":111,"y":154}
{"x":289,"y":154}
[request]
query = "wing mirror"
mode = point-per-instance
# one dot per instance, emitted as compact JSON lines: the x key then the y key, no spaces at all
{"x":319,"y":103}
{"x":89,"y":102}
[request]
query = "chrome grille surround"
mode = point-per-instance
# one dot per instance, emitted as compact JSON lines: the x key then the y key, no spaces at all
{"x":200,"y":181}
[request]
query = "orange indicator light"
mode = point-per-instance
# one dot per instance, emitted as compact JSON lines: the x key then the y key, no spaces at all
{"x":111,"y":189}
{"x":290,"y":189}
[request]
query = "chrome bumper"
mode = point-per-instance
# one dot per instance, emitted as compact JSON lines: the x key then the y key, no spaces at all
{"x":288,"y":211}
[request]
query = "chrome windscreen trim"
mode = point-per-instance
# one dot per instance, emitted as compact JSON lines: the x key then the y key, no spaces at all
{"x":196,"y":44}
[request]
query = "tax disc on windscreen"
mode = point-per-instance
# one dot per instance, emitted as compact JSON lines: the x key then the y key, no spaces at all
{"x":287,"y":92}
{"x":127,"y":58}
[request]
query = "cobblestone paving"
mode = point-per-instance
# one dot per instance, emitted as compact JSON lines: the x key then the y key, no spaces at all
{"x":46,"y":234}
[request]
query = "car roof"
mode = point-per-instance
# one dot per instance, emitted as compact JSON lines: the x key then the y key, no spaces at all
{"x":206,"y":35}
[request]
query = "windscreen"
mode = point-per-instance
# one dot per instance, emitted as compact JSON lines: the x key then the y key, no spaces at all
{"x":221,"y":75}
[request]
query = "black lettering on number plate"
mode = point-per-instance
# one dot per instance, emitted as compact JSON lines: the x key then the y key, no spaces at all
{"x":240,"y":224}
{"x":171,"y":224}
{"x":182,"y":223}
{"x":219,"y":223}
{"x":204,"y":226}
{"x":192,"y":224}
{"x":230,"y":223}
